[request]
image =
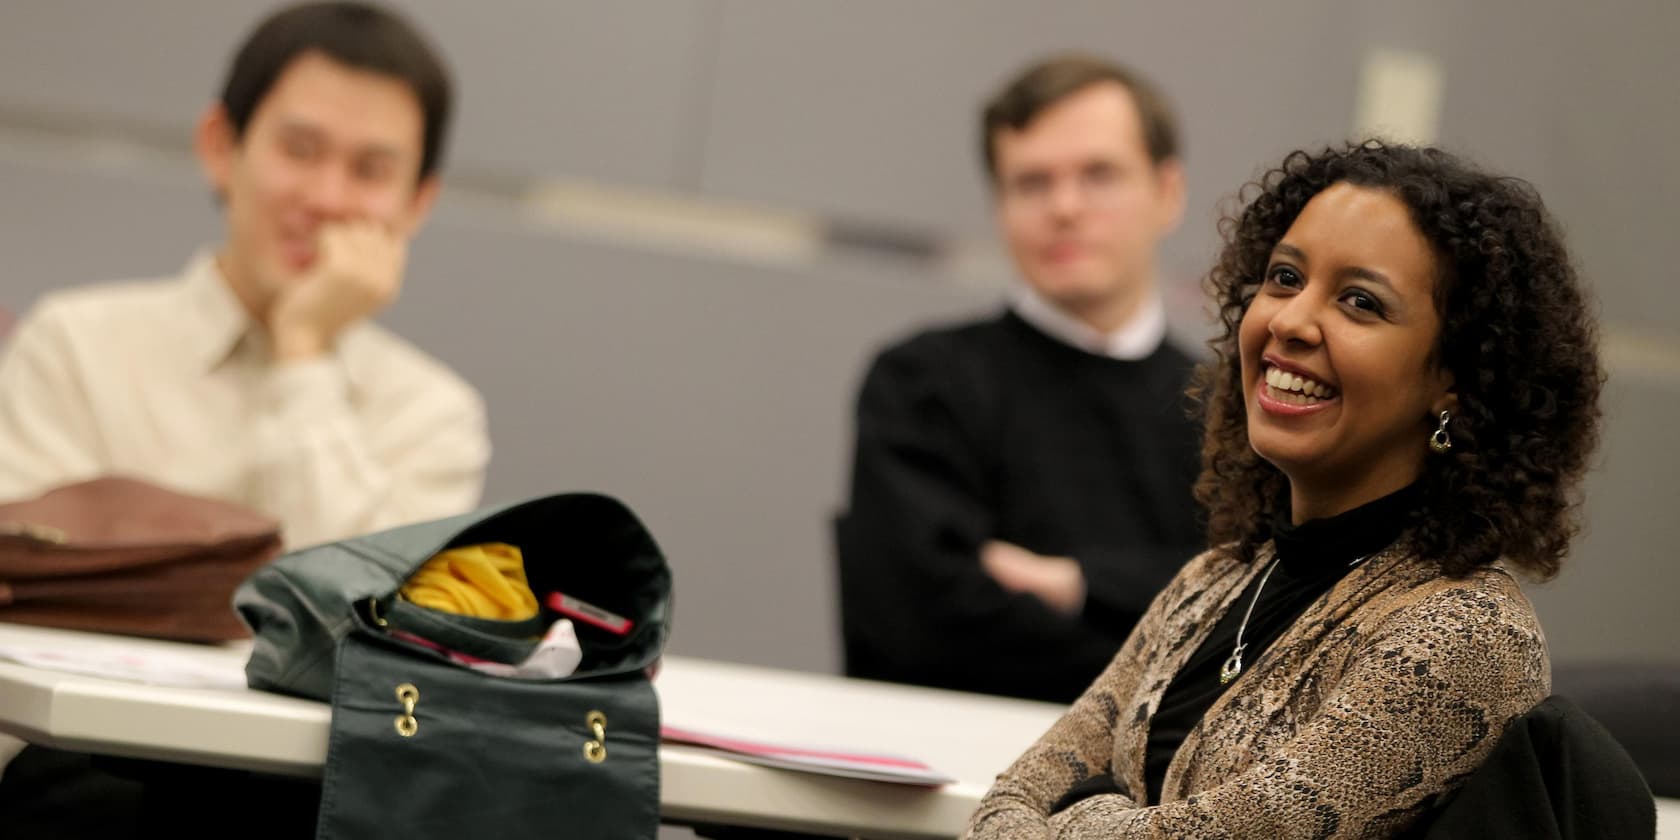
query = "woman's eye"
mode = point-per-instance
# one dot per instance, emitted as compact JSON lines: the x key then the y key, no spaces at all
{"x":1284,"y":276}
{"x":1363,"y":302}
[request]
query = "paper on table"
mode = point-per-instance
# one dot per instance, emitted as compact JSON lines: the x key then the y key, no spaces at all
{"x":826,"y":760}
{"x":130,"y":664}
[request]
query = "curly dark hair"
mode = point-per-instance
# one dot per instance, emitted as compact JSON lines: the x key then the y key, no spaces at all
{"x":1517,"y":336}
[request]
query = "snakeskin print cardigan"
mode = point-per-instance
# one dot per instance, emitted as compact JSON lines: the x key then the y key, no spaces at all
{"x":1378,"y":700}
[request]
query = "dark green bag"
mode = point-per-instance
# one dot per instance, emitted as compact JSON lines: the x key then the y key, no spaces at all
{"x":421,"y":746}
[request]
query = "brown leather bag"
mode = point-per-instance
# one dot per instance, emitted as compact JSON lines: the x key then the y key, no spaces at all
{"x":116,"y":555}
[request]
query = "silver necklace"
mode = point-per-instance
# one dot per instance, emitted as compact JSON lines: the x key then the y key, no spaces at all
{"x":1234,"y":664}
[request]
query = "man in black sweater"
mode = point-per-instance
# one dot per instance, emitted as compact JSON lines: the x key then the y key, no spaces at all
{"x":1022,"y":484}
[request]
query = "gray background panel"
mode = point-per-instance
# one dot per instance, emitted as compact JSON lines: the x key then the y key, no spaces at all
{"x":608,"y":91}
{"x":869,"y":109}
{"x":714,"y":393}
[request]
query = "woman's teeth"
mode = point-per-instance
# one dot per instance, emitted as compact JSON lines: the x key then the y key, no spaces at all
{"x":1294,"y":389}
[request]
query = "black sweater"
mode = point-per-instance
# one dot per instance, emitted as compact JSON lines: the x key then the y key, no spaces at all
{"x":993,"y":430}
{"x":1312,"y":557}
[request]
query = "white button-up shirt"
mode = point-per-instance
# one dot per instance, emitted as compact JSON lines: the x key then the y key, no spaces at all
{"x":1137,"y":339}
{"x":171,"y":381}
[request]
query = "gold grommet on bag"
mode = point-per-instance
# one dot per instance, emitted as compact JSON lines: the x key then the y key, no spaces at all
{"x":409,"y":697}
{"x":595,"y":751}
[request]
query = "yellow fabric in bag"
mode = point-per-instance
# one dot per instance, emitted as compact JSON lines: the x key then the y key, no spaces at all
{"x":483,"y":581}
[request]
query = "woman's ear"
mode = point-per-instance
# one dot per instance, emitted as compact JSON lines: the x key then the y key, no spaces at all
{"x":1446,"y":383}
{"x":1446,"y":402}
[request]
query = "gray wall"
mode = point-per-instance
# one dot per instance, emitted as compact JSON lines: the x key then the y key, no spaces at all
{"x":713,"y":393}
{"x":713,"y":397}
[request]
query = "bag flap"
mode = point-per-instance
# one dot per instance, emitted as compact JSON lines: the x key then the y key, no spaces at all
{"x":585,"y":545}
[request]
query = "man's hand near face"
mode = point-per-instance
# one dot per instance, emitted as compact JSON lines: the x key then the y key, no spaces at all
{"x":1057,"y":581}
{"x":358,"y":271}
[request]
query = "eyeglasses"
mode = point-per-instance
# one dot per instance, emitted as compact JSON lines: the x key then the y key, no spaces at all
{"x":1100,"y":186}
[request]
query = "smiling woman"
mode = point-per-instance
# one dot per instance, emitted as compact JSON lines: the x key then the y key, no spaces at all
{"x":1417,"y":253}
{"x":1337,"y":348}
{"x":1400,"y":408}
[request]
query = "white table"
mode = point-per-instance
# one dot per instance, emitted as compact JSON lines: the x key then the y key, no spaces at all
{"x":966,"y":736}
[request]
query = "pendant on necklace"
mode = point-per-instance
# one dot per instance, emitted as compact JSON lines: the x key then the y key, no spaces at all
{"x":1232,"y":668}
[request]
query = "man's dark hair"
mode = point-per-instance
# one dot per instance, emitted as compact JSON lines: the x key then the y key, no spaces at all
{"x":1054,"y":79}
{"x":360,"y":35}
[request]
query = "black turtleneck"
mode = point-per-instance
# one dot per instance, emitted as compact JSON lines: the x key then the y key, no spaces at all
{"x":1312,"y":557}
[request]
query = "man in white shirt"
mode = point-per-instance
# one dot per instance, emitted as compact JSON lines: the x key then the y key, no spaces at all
{"x":1022,"y":484}
{"x":256,"y":375}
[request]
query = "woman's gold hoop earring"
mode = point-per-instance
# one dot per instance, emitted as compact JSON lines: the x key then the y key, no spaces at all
{"x":1440,"y":441}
